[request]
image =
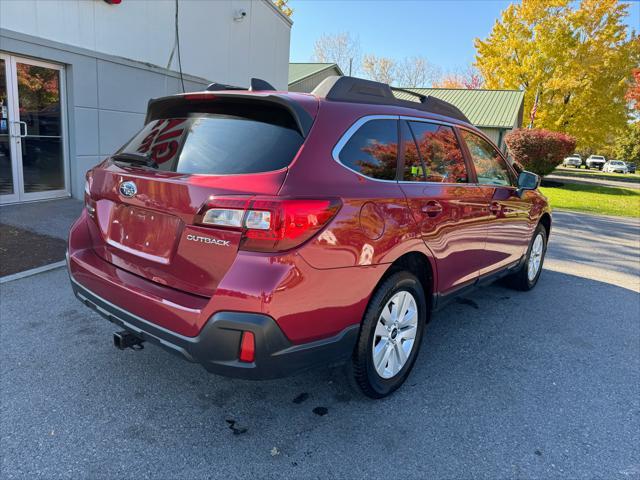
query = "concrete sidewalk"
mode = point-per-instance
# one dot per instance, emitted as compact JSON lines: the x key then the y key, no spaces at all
{"x":51,"y":217}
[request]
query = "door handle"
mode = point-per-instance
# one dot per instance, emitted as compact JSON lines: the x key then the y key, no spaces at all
{"x":432,"y":208}
{"x":495,"y":208}
{"x":20,"y":124}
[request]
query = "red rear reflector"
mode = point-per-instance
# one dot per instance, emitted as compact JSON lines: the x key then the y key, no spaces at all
{"x":247,"y":347}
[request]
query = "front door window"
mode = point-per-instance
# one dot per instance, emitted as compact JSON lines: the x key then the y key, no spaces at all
{"x":491,"y":168}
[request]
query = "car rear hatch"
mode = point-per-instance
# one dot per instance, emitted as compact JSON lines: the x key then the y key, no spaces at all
{"x":147,"y":202}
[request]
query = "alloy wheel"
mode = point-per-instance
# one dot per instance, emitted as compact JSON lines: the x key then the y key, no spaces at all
{"x":535,"y":257}
{"x":395,"y":334}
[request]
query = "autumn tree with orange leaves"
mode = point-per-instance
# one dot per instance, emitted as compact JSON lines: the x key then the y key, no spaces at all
{"x":633,"y":94}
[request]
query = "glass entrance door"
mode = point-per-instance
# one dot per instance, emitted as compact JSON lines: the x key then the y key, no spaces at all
{"x":33,"y":156}
{"x":8,"y":191}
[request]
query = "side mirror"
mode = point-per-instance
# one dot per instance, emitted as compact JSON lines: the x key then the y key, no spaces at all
{"x":527,"y":181}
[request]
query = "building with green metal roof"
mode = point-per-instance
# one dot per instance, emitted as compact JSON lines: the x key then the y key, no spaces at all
{"x":495,"y":112}
{"x":304,"y":77}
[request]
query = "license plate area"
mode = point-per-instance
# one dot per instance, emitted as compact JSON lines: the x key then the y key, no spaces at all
{"x":145,"y":233}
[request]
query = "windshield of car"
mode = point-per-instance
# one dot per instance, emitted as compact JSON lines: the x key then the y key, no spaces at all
{"x":217,"y":144}
{"x":597,"y":157}
{"x":616,"y":162}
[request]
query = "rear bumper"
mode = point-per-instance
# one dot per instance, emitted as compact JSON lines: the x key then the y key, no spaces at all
{"x":217,"y":346}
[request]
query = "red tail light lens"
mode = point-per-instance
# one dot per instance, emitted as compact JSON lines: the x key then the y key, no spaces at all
{"x":292,"y":222}
{"x":270,"y":224}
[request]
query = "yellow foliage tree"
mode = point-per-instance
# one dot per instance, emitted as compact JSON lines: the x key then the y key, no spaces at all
{"x":577,"y":58}
{"x":284,"y":8}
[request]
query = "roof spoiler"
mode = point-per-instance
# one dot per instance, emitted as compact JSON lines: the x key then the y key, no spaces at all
{"x":257,"y":85}
{"x":358,"y":90}
{"x":166,"y":106}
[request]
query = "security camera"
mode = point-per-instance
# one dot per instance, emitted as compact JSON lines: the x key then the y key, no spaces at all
{"x":240,"y":14}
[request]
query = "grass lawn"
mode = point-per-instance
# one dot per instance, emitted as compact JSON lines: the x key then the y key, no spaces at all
{"x":623,"y":202}
{"x":580,"y":172}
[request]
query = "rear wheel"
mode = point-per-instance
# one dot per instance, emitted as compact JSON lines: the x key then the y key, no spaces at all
{"x":390,"y":335}
{"x":528,"y":274}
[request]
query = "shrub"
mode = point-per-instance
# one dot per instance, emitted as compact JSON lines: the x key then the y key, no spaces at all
{"x":539,"y":151}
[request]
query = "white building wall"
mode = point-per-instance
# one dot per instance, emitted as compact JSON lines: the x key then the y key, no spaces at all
{"x":213,"y":45}
{"x":116,"y":58}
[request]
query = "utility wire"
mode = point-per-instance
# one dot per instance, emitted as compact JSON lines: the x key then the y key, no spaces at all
{"x":178,"y":45}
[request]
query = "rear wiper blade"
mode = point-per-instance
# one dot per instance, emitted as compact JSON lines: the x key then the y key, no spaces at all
{"x":137,"y":158}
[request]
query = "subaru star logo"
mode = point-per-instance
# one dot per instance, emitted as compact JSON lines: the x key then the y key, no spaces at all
{"x":128,"y":189}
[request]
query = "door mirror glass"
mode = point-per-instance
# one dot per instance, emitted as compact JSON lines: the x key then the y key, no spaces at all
{"x":528,"y":181}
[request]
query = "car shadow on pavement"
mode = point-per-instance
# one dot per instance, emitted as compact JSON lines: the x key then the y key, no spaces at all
{"x":507,"y":384}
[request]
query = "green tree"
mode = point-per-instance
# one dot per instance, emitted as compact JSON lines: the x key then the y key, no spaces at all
{"x":577,"y":58}
{"x":627,"y":147}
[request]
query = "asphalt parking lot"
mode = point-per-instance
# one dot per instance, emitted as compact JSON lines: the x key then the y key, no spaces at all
{"x":544,"y":384}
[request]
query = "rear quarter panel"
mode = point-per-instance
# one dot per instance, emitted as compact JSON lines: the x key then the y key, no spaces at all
{"x":374,"y":225}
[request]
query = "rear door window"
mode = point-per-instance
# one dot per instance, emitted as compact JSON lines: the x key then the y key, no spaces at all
{"x":440,"y":152}
{"x":217,"y":144}
{"x":491,"y":168}
{"x":373,"y":150}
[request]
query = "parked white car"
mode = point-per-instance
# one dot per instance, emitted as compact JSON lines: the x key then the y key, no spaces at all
{"x":595,"y":161}
{"x":615,"y":166}
{"x":574,"y":160}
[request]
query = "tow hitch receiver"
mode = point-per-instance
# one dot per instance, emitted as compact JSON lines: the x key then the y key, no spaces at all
{"x":126,"y":339}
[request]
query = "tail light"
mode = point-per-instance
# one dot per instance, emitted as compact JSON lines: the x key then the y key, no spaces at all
{"x":88,"y":202}
{"x":269,"y":224}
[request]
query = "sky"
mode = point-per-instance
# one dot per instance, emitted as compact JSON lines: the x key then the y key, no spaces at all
{"x":442,"y":31}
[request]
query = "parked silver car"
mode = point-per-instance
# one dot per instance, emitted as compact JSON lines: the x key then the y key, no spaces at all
{"x":595,"y":161}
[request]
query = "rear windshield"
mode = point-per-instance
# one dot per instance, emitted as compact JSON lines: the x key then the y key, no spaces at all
{"x":217,"y":144}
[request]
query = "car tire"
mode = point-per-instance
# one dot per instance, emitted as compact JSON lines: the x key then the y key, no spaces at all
{"x":377,"y":379}
{"x":522,"y":279}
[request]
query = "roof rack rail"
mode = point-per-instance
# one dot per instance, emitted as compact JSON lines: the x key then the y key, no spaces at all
{"x":358,"y":90}
{"x":257,"y":84}
{"x":420,"y":96}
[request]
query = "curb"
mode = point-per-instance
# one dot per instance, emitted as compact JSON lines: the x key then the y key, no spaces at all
{"x":33,"y":271}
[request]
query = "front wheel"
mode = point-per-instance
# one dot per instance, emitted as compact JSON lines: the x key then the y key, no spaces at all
{"x":390,"y":335}
{"x":526,"y":277}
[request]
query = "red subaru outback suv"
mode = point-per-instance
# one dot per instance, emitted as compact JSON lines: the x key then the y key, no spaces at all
{"x":259,"y":233}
